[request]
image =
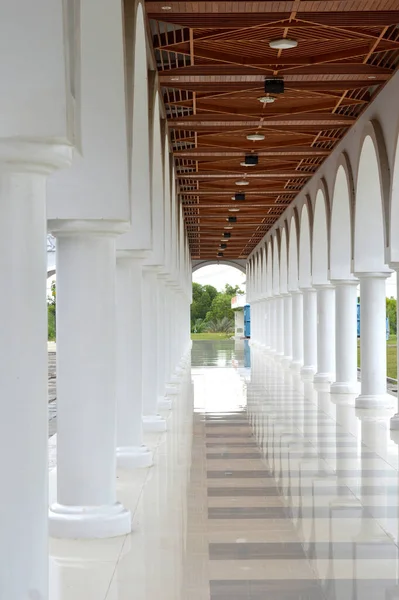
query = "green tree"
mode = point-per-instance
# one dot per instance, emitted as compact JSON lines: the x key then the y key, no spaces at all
{"x":221,"y":307}
{"x":232,"y":290}
{"x":391,"y":314}
{"x":51,"y":310}
{"x":203,"y":296}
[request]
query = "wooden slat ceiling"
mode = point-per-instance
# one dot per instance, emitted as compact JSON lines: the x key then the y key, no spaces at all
{"x":213,"y":58}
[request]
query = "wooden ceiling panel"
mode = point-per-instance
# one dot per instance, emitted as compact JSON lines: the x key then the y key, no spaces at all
{"x":213,"y":58}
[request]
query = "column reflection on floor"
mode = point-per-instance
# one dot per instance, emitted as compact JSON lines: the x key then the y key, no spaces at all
{"x":266,"y":486}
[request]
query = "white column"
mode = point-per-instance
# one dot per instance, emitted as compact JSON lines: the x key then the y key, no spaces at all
{"x":152,"y":421}
{"x":325,"y":334}
{"x":309,"y":332}
{"x":131,"y":452}
{"x":395,"y":419}
{"x":373,"y":351}
{"x":345,"y":337}
{"x":279,"y":326}
{"x":86,"y":408}
{"x":23,"y":370}
{"x":287,"y":298}
{"x":297,"y":330}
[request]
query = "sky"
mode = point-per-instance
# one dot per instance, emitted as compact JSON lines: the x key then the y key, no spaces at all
{"x":219,"y":275}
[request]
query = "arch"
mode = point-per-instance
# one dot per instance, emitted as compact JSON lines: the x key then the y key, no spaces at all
{"x":138,"y":137}
{"x":341,"y":238}
{"x":305,"y":277}
{"x":283,"y":262}
{"x":269,"y":268}
{"x":264,"y":272}
{"x":276,"y":265}
{"x":394,"y":211}
{"x":320,"y":239}
{"x":293,"y":274}
{"x":369,"y":238}
{"x":157,"y":184}
{"x":239,"y":264}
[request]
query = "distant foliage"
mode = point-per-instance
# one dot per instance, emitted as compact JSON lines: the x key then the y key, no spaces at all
{"x":210,"y":307}
{"x":392,"y":315}
{"x":224,"y":325}
{"x":51,"y":310}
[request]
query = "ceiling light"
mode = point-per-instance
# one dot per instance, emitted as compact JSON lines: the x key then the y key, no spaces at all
{"x":242,"y":182}
{"x":283,"y":44}
{"x":274,"y":85}
{"x":255,"y":137}
{"x":267,"y":99}
{"x":227,"y":227}
{"x":174,"y":78}
{"x":244,"y":164}
{"x":166,"y":8}
{"x":231,"y":219}
{"x":234,"y":209}
{"x":371,"y":77}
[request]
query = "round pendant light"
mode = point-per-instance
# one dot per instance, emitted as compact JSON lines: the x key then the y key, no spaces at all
{"x":255,"y":137}
{"x":283,"y":44}
{"x":244,"y":164}
{"x":234,"y":209}
{"x":243,"y":182}
{"x":267,"y":99}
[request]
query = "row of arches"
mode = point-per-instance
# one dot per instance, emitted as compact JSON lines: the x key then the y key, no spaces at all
{"x":318,"y":253}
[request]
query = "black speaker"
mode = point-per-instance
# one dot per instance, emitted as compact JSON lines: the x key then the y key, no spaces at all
{"x":232,"y":219}
{"x":227,"y":234}
{"x":240,"y":196}
{"x":220,"y":253}
{"x":251,"y":159}
{"x":274,"y":86}
{"x":223,"y":246}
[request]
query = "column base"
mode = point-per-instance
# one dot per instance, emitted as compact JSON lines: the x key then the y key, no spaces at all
{"x":344,"y":387}
{"x":296,"y":365}
{"x":172,"y":389}
{"x":164,"y":403}
{"x":286,"y":361}
{"x":89,"y":522}
{"x":154,"y":424}
{"x":134,"y":457}
{"x":308,"y":372}
{"x":323,"y":378}
{"x":394,"y":423}
{"x":374,"y":401}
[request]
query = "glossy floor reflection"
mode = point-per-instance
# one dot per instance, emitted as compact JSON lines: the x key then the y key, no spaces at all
{"x":264,"y":488}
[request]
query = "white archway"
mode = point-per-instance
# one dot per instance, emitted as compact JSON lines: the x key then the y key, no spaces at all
{"x":341,"y":228}
{"x":320,"y":241}
{"x":309,"y":297}
{"x":305,"y":264}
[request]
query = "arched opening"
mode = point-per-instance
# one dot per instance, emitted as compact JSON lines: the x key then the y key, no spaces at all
{"x":305,"y":276}
{"x":341,"y":228}
{"x":370,"y":267}
{"x":320,"y":241}
{"x":309,"y":296}
{"x":293,"y":273}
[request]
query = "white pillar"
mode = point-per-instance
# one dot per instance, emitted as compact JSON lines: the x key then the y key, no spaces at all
{"x":395,"y":419}
{"x":287,"y":298}
{"x":297,"y":330}
{"x":279,"y":326}
{"x":309,"y":332}
{"x":345,"y":337}
{"x":23,"y":370}
{"x":152,"y":421}
{"x":325,"y":334}
{"x":131,"y":452}
{"x":86,"y":408}
{"x":373,"y":351}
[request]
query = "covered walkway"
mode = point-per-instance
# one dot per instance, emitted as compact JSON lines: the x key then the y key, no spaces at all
{"x":264,"y":487}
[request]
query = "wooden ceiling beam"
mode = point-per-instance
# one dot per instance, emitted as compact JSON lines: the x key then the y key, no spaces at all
{"x":263,"y":175}
{"x":287,"y":151}
{"x":335,"y":68}
{"x":228,"y":86}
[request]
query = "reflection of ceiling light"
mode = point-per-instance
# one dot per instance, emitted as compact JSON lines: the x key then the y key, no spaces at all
{"x":243,"y":182}
{"x":267,"y":99}
{"x":234,"y":209}
{"x":283,"y":44}
{"x":255,"y":137}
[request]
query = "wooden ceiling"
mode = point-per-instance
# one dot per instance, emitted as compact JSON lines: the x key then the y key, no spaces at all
{"x":213,"y":58}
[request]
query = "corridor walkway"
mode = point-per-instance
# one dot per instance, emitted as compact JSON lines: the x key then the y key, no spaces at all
{"x":263,"y":488}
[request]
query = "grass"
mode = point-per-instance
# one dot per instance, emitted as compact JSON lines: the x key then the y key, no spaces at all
{"x":392,"y":351}
{"x":210,"y":336}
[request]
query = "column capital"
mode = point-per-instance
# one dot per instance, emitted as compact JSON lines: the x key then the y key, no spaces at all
{"x":296,"y":291}
{"x":132,"y":254}
{"x":307,"y":288}
{"x":34,"y":156}
{"x":373,"y":274}
{"x":323,"y":286}
{"x":339,"y":282}
{"x":67,"y":227}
